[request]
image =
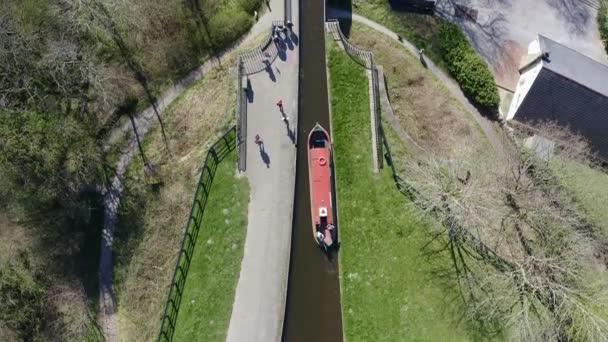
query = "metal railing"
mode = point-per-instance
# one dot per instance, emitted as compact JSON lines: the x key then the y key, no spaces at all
{"x":241,"y":118}
{"x":217,"y":152}
{"x":254,"y":59}
{"x":366,"y":59}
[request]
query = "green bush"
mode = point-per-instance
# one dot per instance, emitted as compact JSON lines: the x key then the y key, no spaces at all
{"x":468,"y":68}
{"x":228,"y":24}
{"x":250,"y":5}
{"x":602,"y":20}
{"x":22,"y":296}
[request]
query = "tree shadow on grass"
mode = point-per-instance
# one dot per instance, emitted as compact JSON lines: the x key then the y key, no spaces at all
{"x":451,"y":277}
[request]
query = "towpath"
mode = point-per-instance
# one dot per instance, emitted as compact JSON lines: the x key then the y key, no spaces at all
{"x":259,"y":305}
{"x":108,"y":309}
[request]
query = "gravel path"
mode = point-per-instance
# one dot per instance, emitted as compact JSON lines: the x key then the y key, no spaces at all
{"x":108,"y":318}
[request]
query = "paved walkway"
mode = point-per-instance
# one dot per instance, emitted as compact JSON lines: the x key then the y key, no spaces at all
{"x":259,"y":306}
{"x":108,"y":309}
{"x":486,"y":125}
{"x":146,"y":118}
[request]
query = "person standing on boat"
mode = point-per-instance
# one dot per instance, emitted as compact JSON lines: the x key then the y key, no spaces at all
{"x":320,"y":236}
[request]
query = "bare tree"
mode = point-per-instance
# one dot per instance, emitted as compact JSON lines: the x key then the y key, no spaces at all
{"x":518,"y":244}
{"x":88,"y":12}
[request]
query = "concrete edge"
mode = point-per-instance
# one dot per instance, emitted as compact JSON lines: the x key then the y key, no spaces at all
{"x":372,"y":119}
{"x":336,"y":185}
{"x":293,"y":201}
{"x":294,"y":175}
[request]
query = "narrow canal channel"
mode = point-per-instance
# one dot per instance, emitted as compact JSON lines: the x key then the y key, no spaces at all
{"x":313,"y":310}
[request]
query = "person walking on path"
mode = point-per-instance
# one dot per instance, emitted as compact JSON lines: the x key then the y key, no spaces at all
{"x":259,"y":141}
{"x":280,"y":105}
{"x":422,"y":60}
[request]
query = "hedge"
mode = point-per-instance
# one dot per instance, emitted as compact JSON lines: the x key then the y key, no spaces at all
{"x":602,"y":21}
{"x":468,"y":68}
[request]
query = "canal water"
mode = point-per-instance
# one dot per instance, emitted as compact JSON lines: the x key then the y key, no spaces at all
{"x":313,"y":311}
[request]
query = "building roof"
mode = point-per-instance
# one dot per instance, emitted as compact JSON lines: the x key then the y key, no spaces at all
{"x":574,"y":65}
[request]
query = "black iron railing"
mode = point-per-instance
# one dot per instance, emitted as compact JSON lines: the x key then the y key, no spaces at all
{"x":217,"y":152}
{"x":241,"y":117}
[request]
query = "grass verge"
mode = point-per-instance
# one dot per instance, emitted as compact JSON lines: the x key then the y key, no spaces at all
{"x":421,"y":30}
{"x":445,"y":44}
{"x":423,"y":105}
{"x":154,"y":208}
{"x":209,"y":292}
{"x":602,"y":21}
{"x":589,"y":188}
{"x":389,"y":291}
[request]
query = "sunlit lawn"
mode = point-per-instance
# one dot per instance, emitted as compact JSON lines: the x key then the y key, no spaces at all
{"x":389,"y":291}
{"x":206,"y":305}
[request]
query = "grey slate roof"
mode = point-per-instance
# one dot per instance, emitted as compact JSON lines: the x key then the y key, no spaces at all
{"x":575,"y":66}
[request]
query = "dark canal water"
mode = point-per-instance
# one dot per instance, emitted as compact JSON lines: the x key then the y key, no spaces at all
{"x":313,"y":310}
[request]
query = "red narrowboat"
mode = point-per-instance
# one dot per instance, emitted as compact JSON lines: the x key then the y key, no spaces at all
{"x":320,"y":181}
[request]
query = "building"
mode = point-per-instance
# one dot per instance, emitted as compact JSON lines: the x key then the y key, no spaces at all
{"x":561,"y":85}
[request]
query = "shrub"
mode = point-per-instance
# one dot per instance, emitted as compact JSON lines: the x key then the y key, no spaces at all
{"x":468,"y":68}
{"x":22,"y":297}
{"x":250,"y":5}
{"x":228,"y":24}
{"x":602,"y":20}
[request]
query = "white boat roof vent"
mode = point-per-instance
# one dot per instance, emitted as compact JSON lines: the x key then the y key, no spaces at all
{"x":323,"y":212}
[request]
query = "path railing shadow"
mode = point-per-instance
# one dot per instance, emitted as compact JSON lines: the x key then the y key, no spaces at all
{"x":217,"y":152}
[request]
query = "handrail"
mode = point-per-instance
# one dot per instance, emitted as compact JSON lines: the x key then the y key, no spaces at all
{"x":366,"y":59}
{"x":241,"y":118}
{"x":217,"y":152}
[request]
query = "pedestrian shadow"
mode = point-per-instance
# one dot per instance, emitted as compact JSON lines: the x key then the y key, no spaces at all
{"x":268,"y":69}
{"x":290,"y":132}
{"x":423,"y":61}
{"x":289,"y":43}
{"x":265,"y":156}
{"x":249,"y":91}
{"x":281,"y":47}
{"x":294,"y":38}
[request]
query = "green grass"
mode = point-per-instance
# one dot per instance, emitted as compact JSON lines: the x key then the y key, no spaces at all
{"x":389,"y":292}
{"x":154,"y":208}
{"x":420,"y":30}
{"x":210,"y":286}
{"x":602,"y":21}
{"x":589,"y":187}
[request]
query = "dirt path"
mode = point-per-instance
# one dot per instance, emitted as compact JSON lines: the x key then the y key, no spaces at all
{"x":108,"y":317}
{"x":486,"y":125}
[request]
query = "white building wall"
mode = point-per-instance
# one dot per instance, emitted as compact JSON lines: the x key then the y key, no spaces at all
{"x":526,"y":78}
